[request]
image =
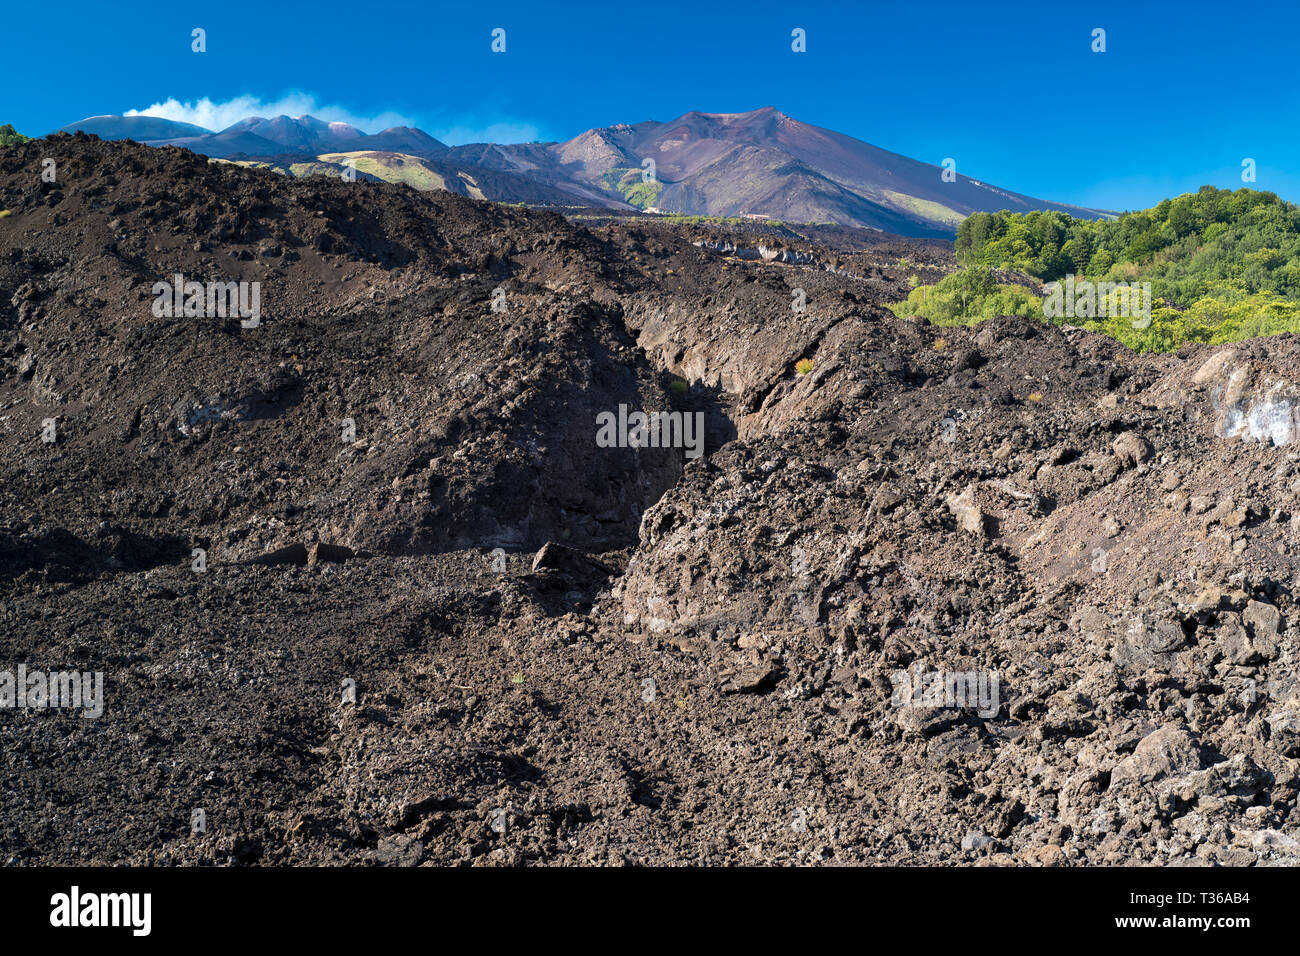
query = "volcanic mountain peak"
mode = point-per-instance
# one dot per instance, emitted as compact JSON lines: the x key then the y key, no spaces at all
{"x":762,"y":121}
{"x":297,"y":130}
{"x":717,"y":163}
{"x":759,"y":161}
{"x":142,"y":129}
{"x":596,"y":150}
{"x":404,"y":138}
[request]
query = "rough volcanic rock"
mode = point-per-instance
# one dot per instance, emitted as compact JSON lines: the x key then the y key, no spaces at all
{"x":365,"y":588}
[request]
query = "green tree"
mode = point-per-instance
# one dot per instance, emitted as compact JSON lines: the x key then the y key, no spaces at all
{"x":10,"y":136}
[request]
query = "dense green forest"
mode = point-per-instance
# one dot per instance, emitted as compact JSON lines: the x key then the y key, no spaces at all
{"x":1223,"y":266}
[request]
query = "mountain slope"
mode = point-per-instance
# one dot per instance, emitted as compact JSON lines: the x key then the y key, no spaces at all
{"x":302,"y":133}
{"x":142,"y":129}
{"x":760,"y":163}
{"x":765,"y":162}
{"x":428,"y":173}
{"x":258,"y":136}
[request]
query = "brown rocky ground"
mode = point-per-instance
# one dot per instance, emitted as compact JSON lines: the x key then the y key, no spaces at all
{"x":670,"y":660}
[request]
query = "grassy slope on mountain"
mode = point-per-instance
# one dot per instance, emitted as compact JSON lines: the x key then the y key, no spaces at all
{"x":630,"y":186}
{"x":1222,"y":265}
{"x":928,"y":209}
{"x":391,"y":168}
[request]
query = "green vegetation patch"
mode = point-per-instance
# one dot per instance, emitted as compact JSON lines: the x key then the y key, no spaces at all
{"x":10,"y":136}
{"x":936,"y":212}
{"x":628,"y":184}
{"x":390,"y":167}
{"x":1223,"y":265}
{"x":968,"y":297}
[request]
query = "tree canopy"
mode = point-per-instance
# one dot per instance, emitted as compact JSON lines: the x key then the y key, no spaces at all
{"x":1223,"y":265}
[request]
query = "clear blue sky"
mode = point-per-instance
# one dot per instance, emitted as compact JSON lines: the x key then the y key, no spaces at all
{"x":1012,"y":91}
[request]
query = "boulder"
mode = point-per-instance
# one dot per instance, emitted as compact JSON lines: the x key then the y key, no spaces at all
{"x":1131,"y":449}
{"x":1166,"y":752}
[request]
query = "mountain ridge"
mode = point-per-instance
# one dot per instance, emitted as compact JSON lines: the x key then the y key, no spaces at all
{"x":760,"y":163}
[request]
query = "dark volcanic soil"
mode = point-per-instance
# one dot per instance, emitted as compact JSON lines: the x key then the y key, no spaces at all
{"x":669,"y":659}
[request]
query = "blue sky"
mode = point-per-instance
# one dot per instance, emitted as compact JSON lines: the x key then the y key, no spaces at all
{"x":1184,"y":92}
